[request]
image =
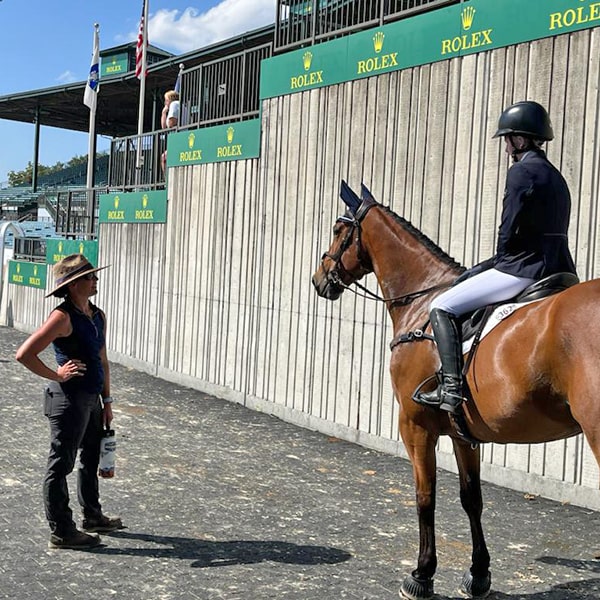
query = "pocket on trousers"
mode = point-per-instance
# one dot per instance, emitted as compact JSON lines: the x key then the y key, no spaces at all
{"x":55,"y":401}
{"x":47,"y":402}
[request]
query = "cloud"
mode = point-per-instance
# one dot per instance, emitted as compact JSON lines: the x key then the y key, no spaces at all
{"x":67,"y":77}
{"x":189,"y":30}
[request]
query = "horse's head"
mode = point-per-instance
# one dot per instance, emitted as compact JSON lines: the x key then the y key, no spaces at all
{"x":346,"y":261}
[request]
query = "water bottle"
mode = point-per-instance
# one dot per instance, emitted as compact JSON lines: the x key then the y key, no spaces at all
{"x":108,"y":447}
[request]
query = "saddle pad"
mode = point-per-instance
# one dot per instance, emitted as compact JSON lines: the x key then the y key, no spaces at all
{"x":499,"y":314}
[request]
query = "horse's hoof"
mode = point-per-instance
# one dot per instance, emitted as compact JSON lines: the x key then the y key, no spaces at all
{"x":476,"y":587}
{"x":416,"y":589}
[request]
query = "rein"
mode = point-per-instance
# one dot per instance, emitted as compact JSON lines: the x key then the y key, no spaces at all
{"x":404,"y":300}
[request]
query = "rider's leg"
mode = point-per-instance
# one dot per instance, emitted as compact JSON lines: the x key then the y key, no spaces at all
{"x":449,"y":395}
{"x":484,"y":288}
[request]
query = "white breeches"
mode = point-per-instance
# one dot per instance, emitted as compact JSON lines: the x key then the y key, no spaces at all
{"x":487,"y":287}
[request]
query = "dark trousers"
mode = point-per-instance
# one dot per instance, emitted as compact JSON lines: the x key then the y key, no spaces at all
{"x":75,"y":423}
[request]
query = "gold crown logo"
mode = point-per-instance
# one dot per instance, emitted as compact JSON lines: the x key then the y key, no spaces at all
{"x":307,"y":60}
{"x":144,"y":200}
{"x":230,"y":131}
{"x":467,"y":16}
{"x":116,"y":201}
{"x":191,"y":139}
{"x":81,"y":248}
{"x":60,"y":247}
{"x":35,"y":270}
{"x":378,"y":41}
{"x":18,"y":267}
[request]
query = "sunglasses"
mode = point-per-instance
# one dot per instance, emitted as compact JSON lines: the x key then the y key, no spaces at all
{"x":90,"y":276}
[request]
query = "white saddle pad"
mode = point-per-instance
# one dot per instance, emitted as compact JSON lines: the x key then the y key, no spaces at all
{"x":499,"y":314}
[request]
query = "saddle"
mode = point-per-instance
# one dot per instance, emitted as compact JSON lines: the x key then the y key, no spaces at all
{"x":474,"y":323}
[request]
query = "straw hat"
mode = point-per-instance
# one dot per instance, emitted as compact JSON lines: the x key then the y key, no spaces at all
{"x":69,"y":269}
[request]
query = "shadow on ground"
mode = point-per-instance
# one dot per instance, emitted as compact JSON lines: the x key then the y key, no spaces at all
{"x":206,"y":553}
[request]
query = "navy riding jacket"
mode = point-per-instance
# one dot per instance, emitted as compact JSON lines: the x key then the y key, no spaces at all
{"x":532,"y":237}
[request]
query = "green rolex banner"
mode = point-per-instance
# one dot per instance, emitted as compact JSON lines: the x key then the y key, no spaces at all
{"x":133,"y":207}
{"x":457,"y":30}
{"x":116,"y":64}
{"x":58,"y":248}
{"x":235,"y":141}
{"x":28,"y":274}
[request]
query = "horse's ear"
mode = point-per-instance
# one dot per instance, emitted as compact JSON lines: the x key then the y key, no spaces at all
{"x":349,"y":198}
{"x":365,"y":194}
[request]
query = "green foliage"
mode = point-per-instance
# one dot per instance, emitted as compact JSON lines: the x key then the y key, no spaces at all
{"x":25,"y":177}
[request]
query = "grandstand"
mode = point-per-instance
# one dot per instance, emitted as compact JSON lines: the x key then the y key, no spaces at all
{"x":76,"y":176}
{"x":34,"y":230}
{"x":21,"y":203}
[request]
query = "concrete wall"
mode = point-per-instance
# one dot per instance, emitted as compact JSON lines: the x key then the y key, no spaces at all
{"x":220,"y":298}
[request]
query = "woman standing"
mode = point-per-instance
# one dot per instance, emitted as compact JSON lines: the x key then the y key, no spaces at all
{"x":76,"y":329}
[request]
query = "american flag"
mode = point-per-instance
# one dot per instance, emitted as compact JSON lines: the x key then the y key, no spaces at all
{"x":140,"y":67}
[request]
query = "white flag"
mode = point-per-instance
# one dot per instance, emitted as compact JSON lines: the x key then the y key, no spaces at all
{"x":93,"y":82}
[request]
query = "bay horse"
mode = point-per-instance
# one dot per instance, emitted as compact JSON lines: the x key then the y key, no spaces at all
{"x":551,"y":395}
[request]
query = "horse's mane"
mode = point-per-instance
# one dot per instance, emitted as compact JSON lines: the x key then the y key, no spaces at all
{"x":423,"y":239}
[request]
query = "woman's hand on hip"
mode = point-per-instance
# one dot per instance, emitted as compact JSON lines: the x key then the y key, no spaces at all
{"x":72,"y":368}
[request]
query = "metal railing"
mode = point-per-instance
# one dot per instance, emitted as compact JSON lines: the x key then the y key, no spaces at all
{"x":222,"y":90}
{"x":215,"y":92}
{"x":124,"y":172}
{"x":77,"y":212}
{"x":306,"y":22}
{"x":30,"y":249}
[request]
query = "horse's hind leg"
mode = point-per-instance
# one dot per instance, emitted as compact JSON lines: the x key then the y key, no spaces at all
{"x":583,"y":401}
{"x":477,"y":580}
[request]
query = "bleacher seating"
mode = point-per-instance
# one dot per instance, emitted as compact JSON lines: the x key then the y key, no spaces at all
{"x":32,"y":229}
{"x":20,"y":202}
{"x":76,"y":176}
{"x":17,"y":201}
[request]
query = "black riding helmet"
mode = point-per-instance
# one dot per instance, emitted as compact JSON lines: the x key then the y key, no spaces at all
{"x":526,"y":118}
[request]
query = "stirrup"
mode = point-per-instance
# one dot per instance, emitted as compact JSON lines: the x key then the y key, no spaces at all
{"x":418,"y":394}
{"x":450,"y":407}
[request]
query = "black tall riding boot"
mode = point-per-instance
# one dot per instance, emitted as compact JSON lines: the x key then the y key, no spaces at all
{"x":449,"y":395}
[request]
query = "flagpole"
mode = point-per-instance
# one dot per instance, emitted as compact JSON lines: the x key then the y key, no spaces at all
{"x":91,"y":163}
{"x":138,"y":162}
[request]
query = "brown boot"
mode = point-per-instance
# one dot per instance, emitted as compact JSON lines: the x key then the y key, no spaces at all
{"x":102,"y":524}
{"x":77,"y":540}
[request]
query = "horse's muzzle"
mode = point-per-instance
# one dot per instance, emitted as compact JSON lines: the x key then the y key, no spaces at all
{"x":325,"y":286}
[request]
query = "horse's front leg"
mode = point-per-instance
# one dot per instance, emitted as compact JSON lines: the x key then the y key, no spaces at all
{"x":477,"y":580}
{"x":420,"y":446}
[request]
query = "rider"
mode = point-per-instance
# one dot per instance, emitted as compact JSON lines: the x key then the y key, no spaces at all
{"x":532,"y":243}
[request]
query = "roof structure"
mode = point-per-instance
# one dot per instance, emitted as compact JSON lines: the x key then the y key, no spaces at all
{"x":118,"y":99}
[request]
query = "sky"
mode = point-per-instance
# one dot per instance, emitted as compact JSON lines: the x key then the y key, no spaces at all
{"x":50,"y":43}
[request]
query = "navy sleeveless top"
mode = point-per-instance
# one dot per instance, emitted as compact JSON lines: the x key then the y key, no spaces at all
{"x":85,"y":343}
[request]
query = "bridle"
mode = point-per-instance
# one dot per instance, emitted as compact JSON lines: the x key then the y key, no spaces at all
{"x":335,"y":274}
